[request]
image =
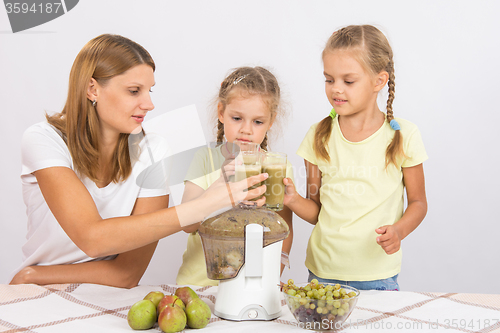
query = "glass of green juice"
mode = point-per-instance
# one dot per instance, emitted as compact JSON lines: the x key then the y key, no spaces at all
{"x":274,"y":164}
{"x":248,"y":162}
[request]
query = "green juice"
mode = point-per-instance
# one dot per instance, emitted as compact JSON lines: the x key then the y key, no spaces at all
{"x":244,"y":171}
{"x":275,"y":189}
{"x":250,"y":159}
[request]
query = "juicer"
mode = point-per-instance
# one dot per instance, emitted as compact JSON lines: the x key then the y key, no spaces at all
{"x":243,"y":251}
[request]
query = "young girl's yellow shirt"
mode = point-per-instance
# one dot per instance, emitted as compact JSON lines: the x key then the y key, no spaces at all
{"x":358,"y":194}
{"x":203,"y":171}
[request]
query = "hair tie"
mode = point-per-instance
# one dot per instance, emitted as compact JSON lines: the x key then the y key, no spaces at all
{"x":333,"y":114}
{"x":395,"y":125}
{"x":239,"y":79}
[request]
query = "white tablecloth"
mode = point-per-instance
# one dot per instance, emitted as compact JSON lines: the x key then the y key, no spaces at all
{"x":94,"y":308}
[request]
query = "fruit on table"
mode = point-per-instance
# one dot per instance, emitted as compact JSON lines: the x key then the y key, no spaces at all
{"x":155,"y":297}
{"x":315,"y":290}
{"x":169,"y":299}
{"x":142,"y":315}
{"x":172,"y":318}
{"x":186,"y":294}
{"x":171,"y":312}
{"x":327,"y":304}
{"x":198,"y":313}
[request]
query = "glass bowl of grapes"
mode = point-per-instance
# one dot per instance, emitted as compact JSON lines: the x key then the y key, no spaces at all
{"x":320,"y":306}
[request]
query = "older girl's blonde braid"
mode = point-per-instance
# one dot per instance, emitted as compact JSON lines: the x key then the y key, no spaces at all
{"x":395,"y":148}
{"x":392,"y":89}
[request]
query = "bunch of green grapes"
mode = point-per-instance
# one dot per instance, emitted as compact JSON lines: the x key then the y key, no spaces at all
{"x":315,"y":290}
{"x":315,"y":301}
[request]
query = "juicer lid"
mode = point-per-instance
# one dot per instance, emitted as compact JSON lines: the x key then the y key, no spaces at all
{"x":230,"y":224}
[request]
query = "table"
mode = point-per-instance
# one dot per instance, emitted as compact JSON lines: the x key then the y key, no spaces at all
{"x":96,"y":308}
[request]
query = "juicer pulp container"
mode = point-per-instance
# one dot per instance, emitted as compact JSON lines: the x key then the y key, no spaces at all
{"x":254,"y":293}
{"x":243,"y":251}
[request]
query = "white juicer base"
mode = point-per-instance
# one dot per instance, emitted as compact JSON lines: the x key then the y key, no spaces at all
{"x":253,"y":298}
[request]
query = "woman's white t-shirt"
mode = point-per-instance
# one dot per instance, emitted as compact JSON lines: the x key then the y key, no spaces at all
{"x":43,"y":147}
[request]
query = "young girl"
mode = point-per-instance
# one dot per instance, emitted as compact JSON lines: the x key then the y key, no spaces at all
{"x":247,"y":106}
{"x":358,"y":162}
{"x":85,"y":204}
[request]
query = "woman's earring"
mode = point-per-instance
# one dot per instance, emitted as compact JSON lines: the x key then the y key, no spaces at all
{"x":94,"y":102}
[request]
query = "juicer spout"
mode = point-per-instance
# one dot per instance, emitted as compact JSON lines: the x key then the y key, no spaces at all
{"x":254,"y":234}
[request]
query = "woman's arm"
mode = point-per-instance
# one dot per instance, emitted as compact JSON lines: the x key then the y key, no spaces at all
{"x":74,"y":209}
{"x":191,"y":192}
{"x":391,"y":235}
{"x":306,"y":208}
{"x":125,"y":271}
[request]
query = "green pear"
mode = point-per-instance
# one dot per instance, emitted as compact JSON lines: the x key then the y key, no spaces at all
{"x":142,"y":315}
{"x":186,"y":294}
{"x":155,"y":297}
{"x":172,"y":318}
{"x":198,"y":313}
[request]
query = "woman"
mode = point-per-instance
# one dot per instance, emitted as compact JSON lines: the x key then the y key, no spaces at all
{"x":80,"y":170}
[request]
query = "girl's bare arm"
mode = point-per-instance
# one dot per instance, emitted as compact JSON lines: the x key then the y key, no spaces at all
{"x":306,"y":208}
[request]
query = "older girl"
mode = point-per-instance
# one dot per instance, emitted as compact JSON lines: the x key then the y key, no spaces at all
{"x":359,"y":160}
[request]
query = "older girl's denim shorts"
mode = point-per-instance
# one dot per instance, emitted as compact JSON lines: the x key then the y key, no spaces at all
{"x":384,"y":284}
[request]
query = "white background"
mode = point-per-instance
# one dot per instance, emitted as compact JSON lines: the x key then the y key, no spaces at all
{"x":447,"y":72}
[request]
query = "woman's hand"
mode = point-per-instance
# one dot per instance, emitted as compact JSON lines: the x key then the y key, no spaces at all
{"x":224,"y":185}
{"x":218,"y":196}
{"x":224,"y":194}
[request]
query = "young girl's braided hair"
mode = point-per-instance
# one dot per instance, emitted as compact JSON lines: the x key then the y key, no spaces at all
{"x":374,"y":53}
{"x":249,"y":81}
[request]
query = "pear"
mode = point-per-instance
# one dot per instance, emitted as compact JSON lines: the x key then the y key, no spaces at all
{"x":169,"y":299}
{"x":198,"y":313}
{"x":155,"y":297}
{"x":142,"y":315}
{"x":186,"y":294}
{"x":172,"y":318}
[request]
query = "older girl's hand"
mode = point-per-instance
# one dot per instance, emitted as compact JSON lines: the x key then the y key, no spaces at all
{"x":389,"y":238}
{"x":291,"y":193}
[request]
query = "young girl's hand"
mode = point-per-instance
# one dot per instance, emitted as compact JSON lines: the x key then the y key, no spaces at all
{"x":389,"y":238}
{"x":290,"y":192}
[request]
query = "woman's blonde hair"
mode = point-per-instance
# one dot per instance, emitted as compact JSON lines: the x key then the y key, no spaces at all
{"x":250,"y":81}
{"x":373,"y":51}
{"x":102,"y":58}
